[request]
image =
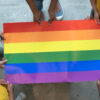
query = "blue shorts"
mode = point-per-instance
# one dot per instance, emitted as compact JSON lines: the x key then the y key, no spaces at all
{"x":39,"y":4}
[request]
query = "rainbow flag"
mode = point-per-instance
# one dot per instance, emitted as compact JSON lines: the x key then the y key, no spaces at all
{"x":66,"y":51}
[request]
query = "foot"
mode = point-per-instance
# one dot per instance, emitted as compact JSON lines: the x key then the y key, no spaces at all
{"x":41,"y":15}
{"x":89,"y":17}
{"x":59,"y":11}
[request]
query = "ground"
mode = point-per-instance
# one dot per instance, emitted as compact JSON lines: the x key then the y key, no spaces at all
{"x":18,"y":11}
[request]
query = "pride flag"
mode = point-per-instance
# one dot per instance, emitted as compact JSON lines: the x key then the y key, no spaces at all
{"x":66,"y":51}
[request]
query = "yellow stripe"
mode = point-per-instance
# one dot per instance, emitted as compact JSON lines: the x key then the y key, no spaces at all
{"x":52,"y":46}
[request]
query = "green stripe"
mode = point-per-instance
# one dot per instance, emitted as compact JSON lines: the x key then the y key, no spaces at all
{"x":53,"y":56}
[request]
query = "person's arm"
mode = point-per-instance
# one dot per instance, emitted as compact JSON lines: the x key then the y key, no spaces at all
{"x":10,"y":90}
{"x":94,"y":6}
{"x":34,"y":10}
{"x":52,"y":10}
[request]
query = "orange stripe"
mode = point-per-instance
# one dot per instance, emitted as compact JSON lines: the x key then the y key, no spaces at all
{"x":52,"y":36}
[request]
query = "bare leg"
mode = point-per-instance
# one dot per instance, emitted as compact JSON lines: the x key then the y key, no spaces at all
{"x":98,"y":85}
{"x":91,"y":15}
{"x":58,"y":8}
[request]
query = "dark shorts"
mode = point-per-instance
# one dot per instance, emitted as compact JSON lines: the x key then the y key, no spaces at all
{"x":92,"y":13}
{"x":39,"y":4}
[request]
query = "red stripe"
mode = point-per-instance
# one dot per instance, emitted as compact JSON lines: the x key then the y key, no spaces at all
{"x":55,"y":26}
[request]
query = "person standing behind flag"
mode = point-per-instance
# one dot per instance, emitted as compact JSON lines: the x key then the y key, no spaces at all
{"x":95,"y":13}
{"x":6,"y":90}
{"x":55,"y":10}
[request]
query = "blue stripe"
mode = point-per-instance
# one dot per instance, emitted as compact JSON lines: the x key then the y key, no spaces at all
{"x":70,"y":66}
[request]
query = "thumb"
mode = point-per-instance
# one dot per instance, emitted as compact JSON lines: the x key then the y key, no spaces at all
{"x":3,"y":62}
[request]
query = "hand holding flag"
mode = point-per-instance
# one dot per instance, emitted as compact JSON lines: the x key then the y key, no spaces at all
{"x":2,"y":36}
{"x":3,"y":62}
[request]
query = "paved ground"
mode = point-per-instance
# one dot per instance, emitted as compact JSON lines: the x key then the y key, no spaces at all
{"x":18,"y":11}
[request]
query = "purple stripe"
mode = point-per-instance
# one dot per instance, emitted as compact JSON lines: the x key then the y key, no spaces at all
{"x":53,"y":77}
